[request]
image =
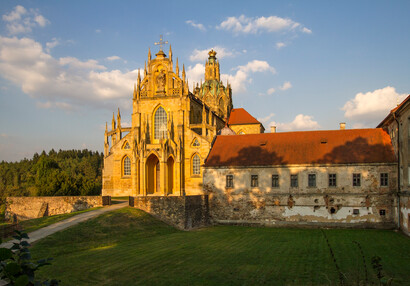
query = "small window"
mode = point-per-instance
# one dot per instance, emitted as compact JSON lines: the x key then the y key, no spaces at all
{"x":196,"y":162}
{"x":332,"y":180}
{"x":275,"y":181}
{"x":356,"y":180}
{"x":127,"y":146}
{"x":229,"y":181}
{"x":384,"y":179}
{"x":254,"y":181}
{"x":312,"y":180}
{"x":196,"y":143}
{"x":294,"y":181}
{"x":355,"y":211}
{"x":382,"y":212}
{"x":127,"y":166}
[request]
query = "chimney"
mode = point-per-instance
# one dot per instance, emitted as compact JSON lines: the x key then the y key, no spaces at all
{"x":273,"y":129}
{"x":342,"y":125}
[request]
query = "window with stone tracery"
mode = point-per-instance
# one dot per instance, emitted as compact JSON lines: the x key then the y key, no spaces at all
{"x":160,"y":124}
{"x":126,"y":166}
{"x":196,"y":164}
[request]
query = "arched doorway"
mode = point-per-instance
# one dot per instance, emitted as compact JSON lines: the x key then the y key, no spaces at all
{"x":153,"y":174}
{"x":170,"y":167}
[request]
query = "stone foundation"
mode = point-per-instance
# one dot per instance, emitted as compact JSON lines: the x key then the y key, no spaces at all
{"x":183,"y":212}
{"x":405,"y":212}
{"x":24,"y":208}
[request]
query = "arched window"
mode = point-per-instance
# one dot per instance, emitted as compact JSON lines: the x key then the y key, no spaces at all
{"x":127,"y":146}
{"x":126,"y":166}
{"x":196,"y":162}
{"x":160,"y":124}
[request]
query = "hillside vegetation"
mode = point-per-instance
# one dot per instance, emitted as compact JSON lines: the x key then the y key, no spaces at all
{"x":130,"y":247}
{"x":62,"y":173}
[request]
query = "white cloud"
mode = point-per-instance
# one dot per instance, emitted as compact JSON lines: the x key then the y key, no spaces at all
{"x":371,"y":107}
{"x":195,"y":73}
{"x":306,"y":30}
{"x":4,"y":135}
{"x":267,"y":119}
{"x":202,"y":55}
{"x":239,"y":80}
{"x":271,"y":24}
{"x":62,"y":82}
{"x":113,"y":58}
{"x":196,"y":25}
{"x":300,"y":123}
{"x":58,"y":104}
{"x":98,"y":31}
{"x":280,"y":45}
{"x":50,"y":45}
{"x":271,"y":91}
{"x":286,"y":85}
{"x":76,"y":63}
{"x":21,"y":20}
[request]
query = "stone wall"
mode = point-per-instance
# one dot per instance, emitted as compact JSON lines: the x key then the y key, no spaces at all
{"x":183,"y":212}
{"x":24,"y":208}
{"x":369,"y":205}
{"x":405,"y":212}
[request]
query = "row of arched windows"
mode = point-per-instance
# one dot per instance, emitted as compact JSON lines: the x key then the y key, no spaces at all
{"x":196,"y":165}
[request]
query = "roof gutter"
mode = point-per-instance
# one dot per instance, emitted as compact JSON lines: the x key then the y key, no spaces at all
{"x":398,"y":168}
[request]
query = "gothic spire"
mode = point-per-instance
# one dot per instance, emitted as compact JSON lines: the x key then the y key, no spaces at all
{"x":119,"y":118}
{"x":183,"y":72}
{"x":177,"y":68}
{"x":149,"y":55}
{"x":135,"y":91}
{"x":145,"y":69}
{"x":170,"y":53}
{"x":113,"y":125}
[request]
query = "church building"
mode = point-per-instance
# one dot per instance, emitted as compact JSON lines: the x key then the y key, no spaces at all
{"x":172,"y":129}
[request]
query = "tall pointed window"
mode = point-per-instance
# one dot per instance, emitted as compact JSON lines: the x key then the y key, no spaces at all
{"x":127,"y":146}
{"x":160,"y":124}
{"x":196,"y":162}
{"x":126,"y":166}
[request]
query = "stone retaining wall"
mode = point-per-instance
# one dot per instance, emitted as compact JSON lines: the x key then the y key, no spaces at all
{"x":24,"y":208}
{"x":183,"y":212}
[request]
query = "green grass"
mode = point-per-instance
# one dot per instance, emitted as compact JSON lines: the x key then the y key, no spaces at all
{"x":34,"y":224}
{"x":129,"y":247}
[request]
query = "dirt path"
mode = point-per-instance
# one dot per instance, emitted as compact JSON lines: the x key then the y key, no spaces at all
{"x":53,"y":228}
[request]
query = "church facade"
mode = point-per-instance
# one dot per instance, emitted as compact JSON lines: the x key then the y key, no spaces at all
{"x":172,"y":129}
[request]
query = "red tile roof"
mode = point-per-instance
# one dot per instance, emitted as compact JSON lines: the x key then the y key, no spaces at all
{"x":307,"y":147}
{"x":241,"y":116}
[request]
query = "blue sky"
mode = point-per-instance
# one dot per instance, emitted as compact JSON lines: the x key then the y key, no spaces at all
{"x":300,"y":65}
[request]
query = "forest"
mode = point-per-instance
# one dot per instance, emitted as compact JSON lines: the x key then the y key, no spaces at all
{"x":62,"y":173}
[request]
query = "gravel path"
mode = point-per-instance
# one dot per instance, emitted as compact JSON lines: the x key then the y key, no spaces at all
{"x":53,"y":228}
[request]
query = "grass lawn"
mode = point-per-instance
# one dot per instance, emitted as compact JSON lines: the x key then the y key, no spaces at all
{"x":129,"y":247}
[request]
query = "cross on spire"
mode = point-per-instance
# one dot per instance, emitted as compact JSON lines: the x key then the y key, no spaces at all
{"x":160,"y":43}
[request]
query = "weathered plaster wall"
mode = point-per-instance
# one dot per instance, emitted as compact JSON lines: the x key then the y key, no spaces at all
{"x":183,"y":212}
{"x":33,"y":207}
{"x":343,"y":204}
{"x":405,"y":212}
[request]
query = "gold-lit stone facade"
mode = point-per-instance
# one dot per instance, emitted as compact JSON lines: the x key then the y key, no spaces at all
{"x":163,"y":151}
